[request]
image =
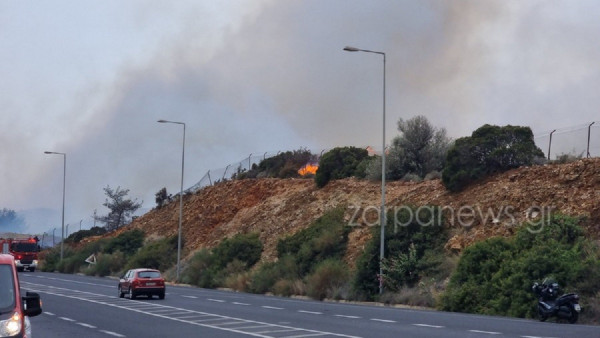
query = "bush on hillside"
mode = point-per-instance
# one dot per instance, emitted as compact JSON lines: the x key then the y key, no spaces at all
{"x":413,"y":248}
{"x":245,"y":248}
{"x":160,"y":254}
{"x":200,"y":270}
{"x":340,"y":163}
{"x":326,"y":238}
{"x":77,"y":236}
{"x":489,"y":150}
{"x":228,"y":261}
{"x":330,"y":279}
{"x":495,"y":276}
{"x":127,"y":242}
{"x":283,"y":165}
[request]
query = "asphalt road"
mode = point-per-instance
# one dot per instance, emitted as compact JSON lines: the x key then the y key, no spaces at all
{"x":81,"y":306}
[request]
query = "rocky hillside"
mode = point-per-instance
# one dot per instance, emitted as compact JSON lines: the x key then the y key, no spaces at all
{"x":275,"y":208}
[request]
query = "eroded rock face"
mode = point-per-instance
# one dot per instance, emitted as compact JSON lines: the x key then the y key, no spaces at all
{"x":276,"y":208}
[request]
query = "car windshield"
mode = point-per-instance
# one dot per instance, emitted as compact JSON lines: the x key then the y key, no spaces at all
{"x":149,"y":274}
{"x":7,"y":289}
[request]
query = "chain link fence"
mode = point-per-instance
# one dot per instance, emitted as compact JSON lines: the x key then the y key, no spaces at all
{"x":221,"y":174}
{"x":579,"y":141}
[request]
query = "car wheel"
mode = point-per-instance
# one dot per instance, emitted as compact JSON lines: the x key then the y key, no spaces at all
{"x":121,"y":294}
{"x":131,"y":294}
{"x":161,"y":295}
{"x":32,"y":269}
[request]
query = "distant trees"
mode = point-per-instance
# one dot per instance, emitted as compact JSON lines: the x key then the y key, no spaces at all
{"x":10,"y":221}
{"x":490,"y":149}
{"x":340,"y":163}
{"x":121,"y":208}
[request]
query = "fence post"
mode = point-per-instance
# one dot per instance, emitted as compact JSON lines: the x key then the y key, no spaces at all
{"x":550,"y":143}
{"x":588,"y":144}
{"x":225,"y":173}
{"x":209,"y":180}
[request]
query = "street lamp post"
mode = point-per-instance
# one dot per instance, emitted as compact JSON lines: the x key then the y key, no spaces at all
{"x":62,"y":239}
{"x":382,"y":211}
{"x":180,"y":197}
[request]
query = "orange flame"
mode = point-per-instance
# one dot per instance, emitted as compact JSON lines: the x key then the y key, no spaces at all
{"x":308,"y":169}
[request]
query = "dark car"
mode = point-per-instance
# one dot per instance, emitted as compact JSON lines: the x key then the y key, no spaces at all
{"x":15,"y":308}
{"x":138,"y":282}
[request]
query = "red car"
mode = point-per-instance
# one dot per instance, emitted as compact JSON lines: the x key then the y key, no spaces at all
{"x":138,"y":282}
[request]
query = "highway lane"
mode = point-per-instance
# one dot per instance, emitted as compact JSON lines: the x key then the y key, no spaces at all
{"x":88,"y":306}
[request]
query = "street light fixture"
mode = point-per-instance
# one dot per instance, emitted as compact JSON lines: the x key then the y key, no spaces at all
{"x":180,"y":197}
{"x":382,"y":211}
{"x":62,"y":238}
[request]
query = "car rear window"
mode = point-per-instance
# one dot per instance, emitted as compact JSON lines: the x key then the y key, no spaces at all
{"x":149,"y":274}
{"x":7,"y":288}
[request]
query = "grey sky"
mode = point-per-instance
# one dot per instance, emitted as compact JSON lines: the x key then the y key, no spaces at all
{"x":91,"y":78}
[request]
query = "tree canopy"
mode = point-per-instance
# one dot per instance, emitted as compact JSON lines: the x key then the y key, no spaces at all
{"x":10,"y":221}
{"x":121,"y":208}
{"x":490,"y":149}
{"x":340,"y":163}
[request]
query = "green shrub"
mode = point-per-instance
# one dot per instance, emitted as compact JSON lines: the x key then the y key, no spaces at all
{"x":340,"y":163}
{"x":107,"y":264}
{"x":263,"y":279}
{"x":128,"y":242}
{"x":160,"y":254}
{"x":246,"y":248}
{"x":495,"y":276}
{"x":489,"y":150}
{"x":238,"y":281}
{"x":326,"y":238}
{"x":77,"y":236}
{"x":413,"y":248}
{"x":200,"y":270}
{"x":330,"y":279}
{"x":288,"y":287}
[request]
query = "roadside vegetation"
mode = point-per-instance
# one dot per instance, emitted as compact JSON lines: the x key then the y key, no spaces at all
{"x":494,"y":277}
{"x":491,"y":277}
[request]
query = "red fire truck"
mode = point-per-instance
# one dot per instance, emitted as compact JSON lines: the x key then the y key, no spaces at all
{"x":24,"y":250}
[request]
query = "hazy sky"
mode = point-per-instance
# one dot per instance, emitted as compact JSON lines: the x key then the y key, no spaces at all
{"x":91,"y":78}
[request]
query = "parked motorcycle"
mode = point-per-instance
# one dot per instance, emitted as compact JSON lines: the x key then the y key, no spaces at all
{"x":550,"y":305}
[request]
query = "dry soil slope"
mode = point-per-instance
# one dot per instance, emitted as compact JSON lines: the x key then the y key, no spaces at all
{"x":275,"y":208}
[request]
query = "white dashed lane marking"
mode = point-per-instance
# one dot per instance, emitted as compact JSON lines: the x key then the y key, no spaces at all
{"x":383,"y":320}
